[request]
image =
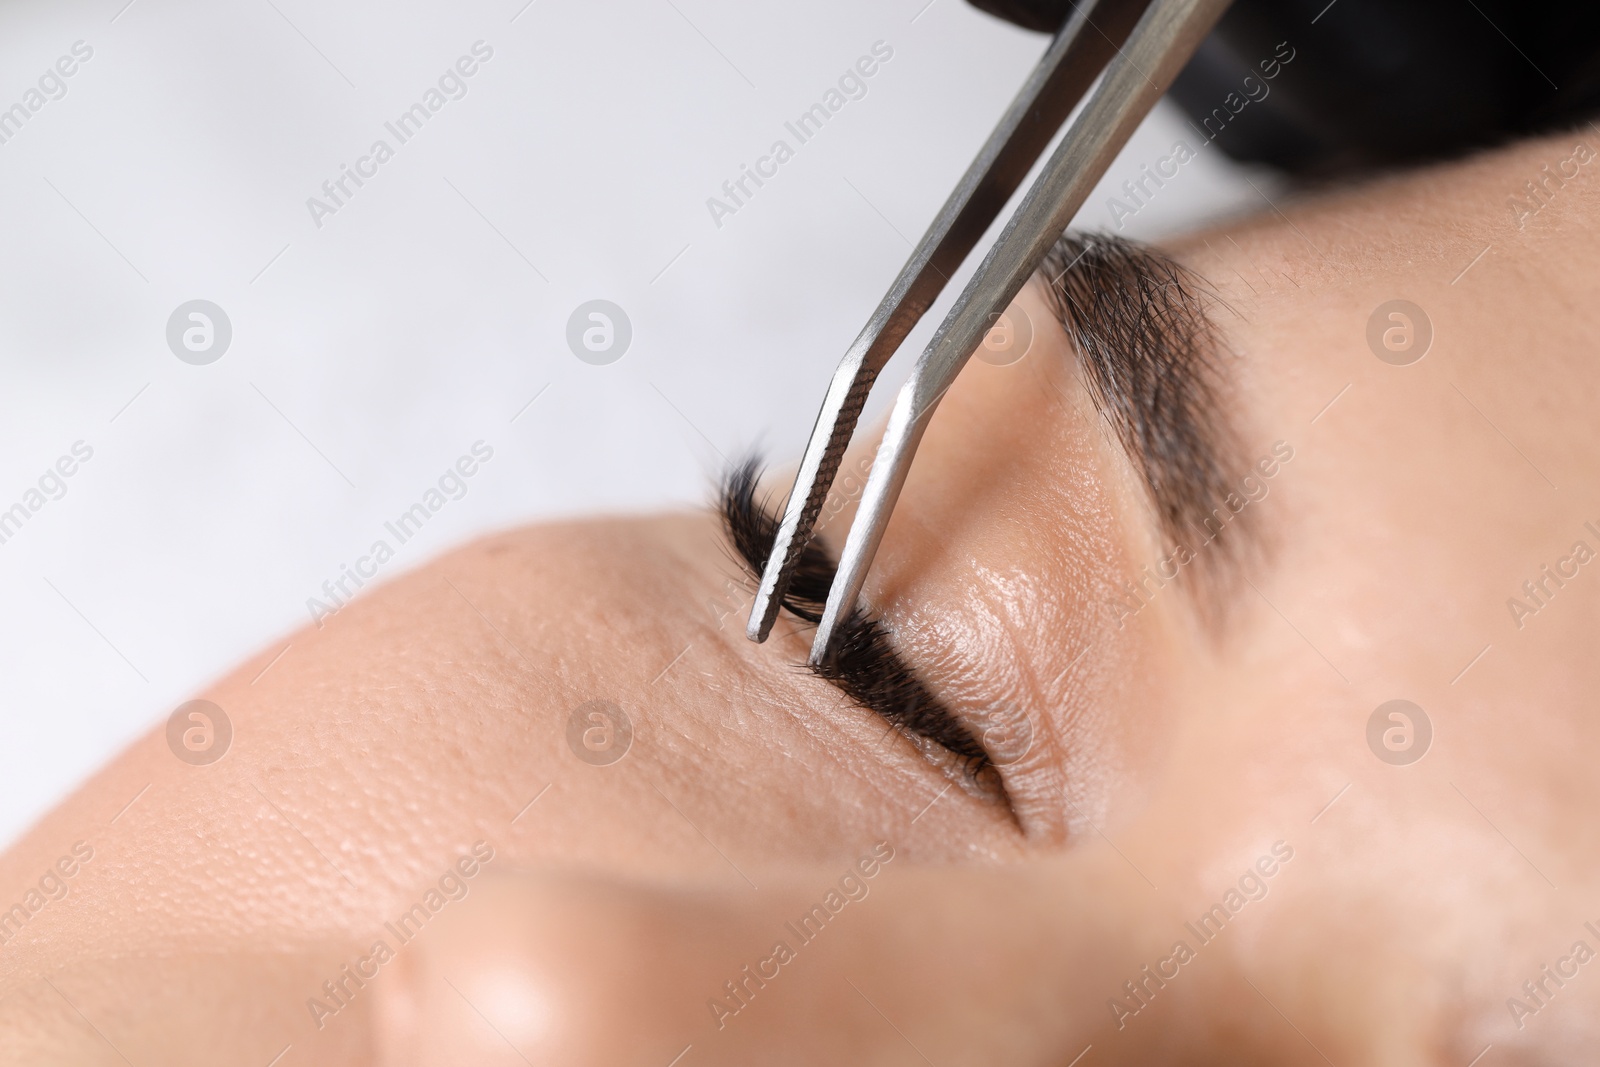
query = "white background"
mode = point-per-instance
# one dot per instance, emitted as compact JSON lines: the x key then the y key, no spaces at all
{"x":370,"y":353}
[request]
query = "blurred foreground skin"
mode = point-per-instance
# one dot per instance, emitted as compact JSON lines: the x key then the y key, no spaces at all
{"x":402,"y":860}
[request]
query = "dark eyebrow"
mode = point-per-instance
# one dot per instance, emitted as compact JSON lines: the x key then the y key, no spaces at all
{"x":1145,"y":341}
{"x":864,"y":664}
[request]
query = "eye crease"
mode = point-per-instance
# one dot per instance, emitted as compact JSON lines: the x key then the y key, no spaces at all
{"x":865,"y":665}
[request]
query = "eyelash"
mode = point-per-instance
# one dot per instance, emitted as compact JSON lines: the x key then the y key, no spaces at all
{"x":864,"y":664}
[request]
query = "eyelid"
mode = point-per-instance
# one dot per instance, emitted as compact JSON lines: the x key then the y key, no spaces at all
{"x":866,"y":667}
{"x":864,"y":664}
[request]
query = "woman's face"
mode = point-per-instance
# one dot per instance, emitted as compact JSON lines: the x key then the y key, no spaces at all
{"x":1193,"y":747}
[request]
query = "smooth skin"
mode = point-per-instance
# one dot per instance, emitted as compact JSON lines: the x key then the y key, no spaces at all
{"x":1172,"y":748}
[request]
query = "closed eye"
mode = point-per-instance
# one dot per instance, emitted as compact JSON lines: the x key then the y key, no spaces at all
{"x":865,"y":665}
{"x":1138,"y":323}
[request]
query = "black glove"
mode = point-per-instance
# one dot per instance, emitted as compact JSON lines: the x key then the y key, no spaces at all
{"x":1046,"y":16}
{"x":1375,"y":82}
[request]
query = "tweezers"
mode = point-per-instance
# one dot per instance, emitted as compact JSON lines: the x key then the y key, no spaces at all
{"x":1135,"y":48}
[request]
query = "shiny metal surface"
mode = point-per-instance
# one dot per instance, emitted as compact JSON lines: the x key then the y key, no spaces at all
{"x":1156,"y":50}
{"x":1076,"y":56}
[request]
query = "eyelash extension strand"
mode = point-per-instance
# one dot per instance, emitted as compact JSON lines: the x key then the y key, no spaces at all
{"x":864,"y":663}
